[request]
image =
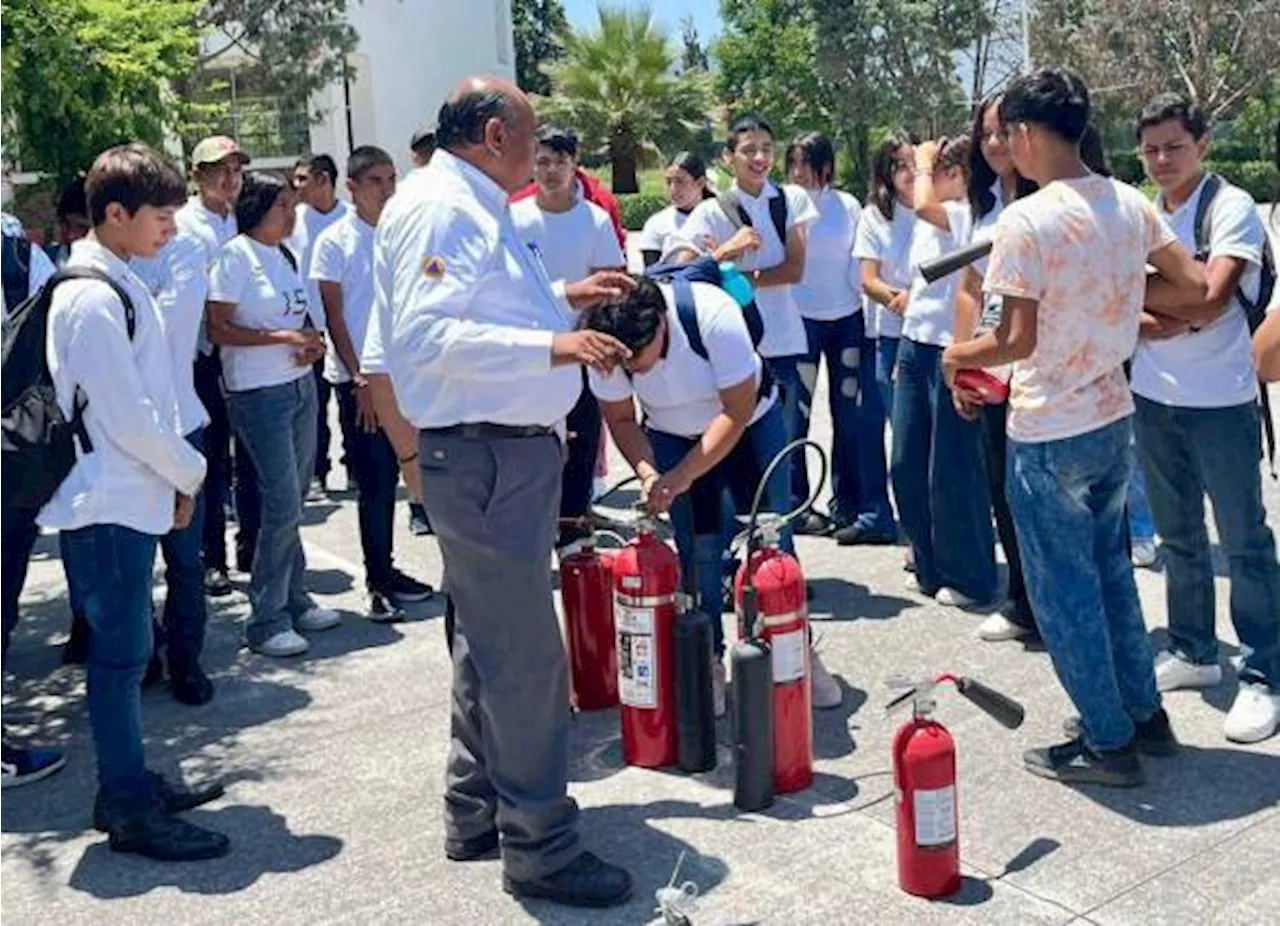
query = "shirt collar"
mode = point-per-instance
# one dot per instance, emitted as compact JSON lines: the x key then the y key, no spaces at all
{"x":769,"y":192}
{"x":91,"y":252}
{"x":487,"y":192}
{"x":1192,"y":200}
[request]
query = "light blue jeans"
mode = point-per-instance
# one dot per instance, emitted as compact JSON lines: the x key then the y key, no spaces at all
{"x":1068,"y":503}
{"x":277,"y":425}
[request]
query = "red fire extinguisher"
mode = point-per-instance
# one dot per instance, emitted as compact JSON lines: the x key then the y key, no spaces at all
{"x":924,"y":778}
{"x":783,"y":621}
{"x":646,"y":579}
{"x":586,"y":591}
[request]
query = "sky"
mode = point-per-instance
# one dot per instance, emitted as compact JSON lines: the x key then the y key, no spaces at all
{"x":668,"y":13}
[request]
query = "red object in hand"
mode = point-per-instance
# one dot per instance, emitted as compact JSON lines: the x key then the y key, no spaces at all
{"x":992,"y":389}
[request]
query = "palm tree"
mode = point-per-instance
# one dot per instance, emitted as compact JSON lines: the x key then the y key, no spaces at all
{"x":618,"y":89}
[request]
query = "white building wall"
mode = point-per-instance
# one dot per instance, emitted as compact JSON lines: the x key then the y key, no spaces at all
{"x":411,"y":54}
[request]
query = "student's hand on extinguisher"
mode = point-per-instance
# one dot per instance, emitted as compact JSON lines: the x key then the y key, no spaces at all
{"x":664,"y":491}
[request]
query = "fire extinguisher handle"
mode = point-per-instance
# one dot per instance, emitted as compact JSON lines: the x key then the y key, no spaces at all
{"x":1002,"y":708}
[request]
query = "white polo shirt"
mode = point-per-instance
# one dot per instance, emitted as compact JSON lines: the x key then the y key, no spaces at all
{"x":140,"y":456}
{"x":832,"y":284}
{"x":344,"y":254}
{"x":708,"y":227}
{"x":931,"y":308}
{"x":662,"y":230}
{"x":887,"y":241}
{"x":571,"y":243}
{"x":212,"y":231}
{"x":269,"y":295}
{"x":307,"y":225}
{"x":470,"y":307}
{"x":681,"y":394}
{"x":1212,"y":367}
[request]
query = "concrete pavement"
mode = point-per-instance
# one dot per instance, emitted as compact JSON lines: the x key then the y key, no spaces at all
{"x":334,"y":765}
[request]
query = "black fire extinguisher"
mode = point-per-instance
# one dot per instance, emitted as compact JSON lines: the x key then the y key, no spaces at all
{"x":695,"y":707}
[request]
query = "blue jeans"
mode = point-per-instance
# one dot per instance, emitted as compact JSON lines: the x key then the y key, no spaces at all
{"x":859,"y":478}
{"x":697,"y":516}
{"x":109,"y":568}
{"x":786,"y":373}
{"x":886,"y":360}
{"x":1142,"y":525}
{"x":939,"y":480}
{"x":185,"y":606}
{"x":277,"y":425}
{"x":1068,"y":503}
{"x":1188,"y":452}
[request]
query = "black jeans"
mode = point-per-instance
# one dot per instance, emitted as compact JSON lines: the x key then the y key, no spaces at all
{"x":996,"y":441}
{"x":20,"y":533}
{"x":373,"y":461}
{"x":580,"y":464}
{"x":217,"y":442}
{"x":323,"y":391}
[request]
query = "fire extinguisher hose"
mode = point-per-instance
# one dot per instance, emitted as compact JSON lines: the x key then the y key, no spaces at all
{"x":750,"y":534}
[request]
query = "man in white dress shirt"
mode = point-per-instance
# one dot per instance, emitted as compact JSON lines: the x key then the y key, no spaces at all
{"x":486,"y":367}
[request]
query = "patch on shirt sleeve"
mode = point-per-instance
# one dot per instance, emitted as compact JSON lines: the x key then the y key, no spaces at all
{"x":433,"y":268}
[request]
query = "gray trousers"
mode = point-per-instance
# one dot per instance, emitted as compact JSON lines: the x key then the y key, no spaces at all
{"x":493,"y":504}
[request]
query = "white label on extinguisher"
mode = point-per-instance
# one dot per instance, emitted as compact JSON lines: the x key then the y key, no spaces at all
{"x":788,"y":656}
{"x":637,"y":659}
{"x":935,"y":813}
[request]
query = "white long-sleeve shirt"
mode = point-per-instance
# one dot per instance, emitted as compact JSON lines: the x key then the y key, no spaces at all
{"x":140,"y":456}
{"x":471,"y":308}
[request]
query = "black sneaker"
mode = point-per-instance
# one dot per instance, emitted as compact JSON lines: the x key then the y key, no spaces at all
{"x":401,"y":588}
{"x":155,"y":834}
{"x":23,"y":766}
{"x":1074,"y":763}
{"x":419,"y":524}
{"x":382,"y":610}
{"x":472,"y":850}
{"x":1154,"y":737}
{"x":174,"y":798}
{"x":189,"y":684}
{"x":858,"y":534}
{"x":587,"y":881}
{"x":813,"y":524}
{"x":216,"y":582}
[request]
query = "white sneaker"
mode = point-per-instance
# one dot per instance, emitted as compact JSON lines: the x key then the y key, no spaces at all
{"x":718,"y":684}
{"x":997,"y":628}
{"x":1174,"y":672}
{"x":1144,"y":553}
{"x":912,"y":584}
{"x":1254,"y":716}
{"x":317,"y":618}
{"x":825,"y":690}
{"x":954,"y":599}
{"x":284,"y":643}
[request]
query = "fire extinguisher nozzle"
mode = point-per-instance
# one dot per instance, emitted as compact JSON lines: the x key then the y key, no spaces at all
{"x":1000,"y":707}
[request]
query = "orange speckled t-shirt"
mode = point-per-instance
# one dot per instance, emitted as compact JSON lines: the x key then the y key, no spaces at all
{"x":1079,"y":249}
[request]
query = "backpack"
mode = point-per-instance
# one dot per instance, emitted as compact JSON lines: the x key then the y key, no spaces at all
{"x":16,"y":270}
{"x":731,"y":205}
{"x":1255,"y":311}
{"x":681,"y":278}
{"x":38,"y":440}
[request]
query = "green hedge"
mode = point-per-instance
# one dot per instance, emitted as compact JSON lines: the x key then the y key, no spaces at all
{"x":1259,"y":179}
{"x":637,"y":207}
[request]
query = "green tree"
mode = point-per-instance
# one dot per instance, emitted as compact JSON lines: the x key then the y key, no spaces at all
{"x":538,"y":27}
{"x":617,"y":88}
{"x":693,"y":55}
{"x":82,"y":75}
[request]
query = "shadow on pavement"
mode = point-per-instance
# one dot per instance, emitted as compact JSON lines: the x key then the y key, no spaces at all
{"x":261,"y":844}
{"x":1197,"y":786}
{"x":842,"y":600}
{"x":832,"y":738}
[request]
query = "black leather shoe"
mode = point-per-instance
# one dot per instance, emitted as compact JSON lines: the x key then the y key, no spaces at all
{"x":1074,"y":763}
{"x":587,"y":881}
{"x":472,"y":850}
{"x":160,"y":836}
{"x":1154,"y":737}
{"x":858,"y":535}
{"x":173,"y":799}
{"x":813,"y":524}
{"x":189,"y":684}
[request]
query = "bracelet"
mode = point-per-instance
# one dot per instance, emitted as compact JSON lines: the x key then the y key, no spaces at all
{"x":409,"y":459}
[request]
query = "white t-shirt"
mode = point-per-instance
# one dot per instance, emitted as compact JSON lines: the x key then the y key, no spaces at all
{"x":888,"y":242}
{"x":571,"y":243}
{"x":681,"y":395}
{"x":269,"y":295}
{"x":708,"y":227}
{"x":832,"y":283}
{"x":1212,"y":367}
{"x":307,"y":226}
{"x":931,"y":309}
{"x":344,"y":254}
{"x":662,"y":230}
{"x":984,"y":229}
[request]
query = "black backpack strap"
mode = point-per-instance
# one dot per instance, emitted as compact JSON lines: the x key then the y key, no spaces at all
{"x":778,"y":213}
{"x":1203,"y":226}
{"x":17,"y":271}
{"x":686,"y":311}
{"x":92,"y":273}
{"x":731,"y":206}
